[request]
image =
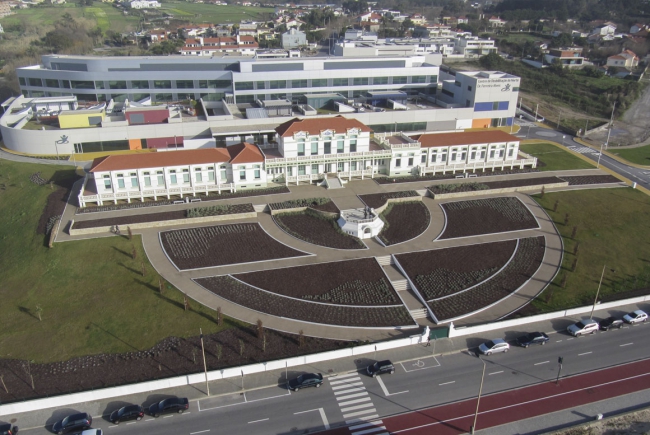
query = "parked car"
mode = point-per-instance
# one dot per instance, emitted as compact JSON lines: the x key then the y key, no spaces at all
{"x":305,"y":381}
{"x":74,"y":422}
{"x":532,"y":338}
{"x":494,"y":346}
{"x":637,"y":316}
{"x":610,"y":323}
{"x":173,"y":404}
{"x":92,"y":432}
{"x":7,"y":429}
{"x":380,"y":367}
{"x":129,"y":412}
{"x":587,"y":326}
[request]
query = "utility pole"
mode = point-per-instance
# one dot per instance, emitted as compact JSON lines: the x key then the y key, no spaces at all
{"x":558,"y":120}
{"x":611,"y":122}
{"x":597,"y":292}
{"x":205,"y":367}
{"x":536,"y":107}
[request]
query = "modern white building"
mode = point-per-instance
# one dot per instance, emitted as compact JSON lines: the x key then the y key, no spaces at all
{"x":294,"y":38}
{"x":144,"y":4}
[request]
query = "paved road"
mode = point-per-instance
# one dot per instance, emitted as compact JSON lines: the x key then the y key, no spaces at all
{"x":531,"y":131}
{"x":419,"y":384}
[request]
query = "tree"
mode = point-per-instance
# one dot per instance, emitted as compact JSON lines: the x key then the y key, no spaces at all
{"x":491,"y":62}
{"x":556,"y":67}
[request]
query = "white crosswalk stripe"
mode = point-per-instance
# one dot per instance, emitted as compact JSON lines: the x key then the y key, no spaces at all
{"x":583,"y":150}
{"x":356,"y":405}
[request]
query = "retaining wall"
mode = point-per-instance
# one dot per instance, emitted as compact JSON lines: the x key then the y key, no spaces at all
{"x":156,"y":224}
{"x":496,"y":191}
{"x":380,"y":210}
{"x":299,"y":209}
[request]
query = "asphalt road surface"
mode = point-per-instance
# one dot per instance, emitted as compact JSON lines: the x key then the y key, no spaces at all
{"x":355,"y":399}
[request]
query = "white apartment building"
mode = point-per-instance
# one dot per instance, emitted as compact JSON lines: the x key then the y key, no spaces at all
{"x":144,"y":4}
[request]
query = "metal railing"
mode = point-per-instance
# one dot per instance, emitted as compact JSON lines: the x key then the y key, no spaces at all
{"x":464,"y":167}
{"x":154,"y":193}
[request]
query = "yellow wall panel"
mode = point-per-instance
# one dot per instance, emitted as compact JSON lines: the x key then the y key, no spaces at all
{"x":135,"y":144}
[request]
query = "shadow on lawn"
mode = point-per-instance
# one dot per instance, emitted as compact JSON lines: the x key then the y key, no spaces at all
{"x":128,"y":254}
{"x":27,"y":311}
{"x":129,"y":268}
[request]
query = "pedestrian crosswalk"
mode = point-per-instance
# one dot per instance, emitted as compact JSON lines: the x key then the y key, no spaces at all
{"x":356,"y":405}
{"x":583,"y":150}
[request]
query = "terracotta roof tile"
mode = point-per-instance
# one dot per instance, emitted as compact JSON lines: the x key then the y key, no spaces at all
{"x":160,"y":159}
{"x":245,"y":153}
{"x":315,"y":125}
{"x":429,"y":140}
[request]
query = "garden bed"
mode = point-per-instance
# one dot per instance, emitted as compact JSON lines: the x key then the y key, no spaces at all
{"x":404,"y":221}
{"x":590,"y":179}
{"x":443,"y":272}
{"x":172,"y":356}
{"x":415,"y":178}
{"x":376,"y":200}
{"x":226,"y":195}
{"x":486,"y":216}
{"x":489,"y":185}
{"x":56,"y":201}
{"x":527,"y":259}
{"x":357,"y":282}
{"x":318,"y":229}
{"x":320,"y":204}
{"x":388,"y":316}
{"x":165,"y":216}
{"x":195,"y":248}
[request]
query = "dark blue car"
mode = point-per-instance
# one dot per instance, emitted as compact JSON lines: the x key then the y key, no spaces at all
{"x":532,"y":338}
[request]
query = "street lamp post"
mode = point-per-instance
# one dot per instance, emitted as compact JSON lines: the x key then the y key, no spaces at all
{"x":597,"y":292}
{"x":205,"y":367}
{"x":600,"y":154}
{"x":563,"y":136}
{"x":478,"y":401}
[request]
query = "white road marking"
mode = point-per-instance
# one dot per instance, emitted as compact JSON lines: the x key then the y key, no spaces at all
{"x":363,"y":405}
{"x":201,"y":431}
{"x":133,"y":422}
{"x":322,"y":416}
{"x":349,"y":375}
{"x":385,"y":390}
{"x":257,"y":421}
{"x":360,"y":419}
{"x":626,"y":344}
{"x":347,"y":385}
{"x":352,"y":402}
{"x":375,"y":429}
{"x":364,"y":425}
{"x":345,"y":381}
{"x":150,"y":419}
{"x":351,"y":390}
{"x":586,"y":353}
{"x":354,"y":414}
{"x":350,"y":396}
{"x":447,"y":383}
{"x":495,"y":373}
{"x":558,"y":341}
{"x":540,"y":363}
{"x":168,"y":416}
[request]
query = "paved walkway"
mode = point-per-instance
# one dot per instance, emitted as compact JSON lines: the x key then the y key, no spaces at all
{"x":343,"y":198}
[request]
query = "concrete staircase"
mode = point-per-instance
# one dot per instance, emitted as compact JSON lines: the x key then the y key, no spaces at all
{"x":421,"y":313}
{"x":401,"y":285}
{"x":386,"y":260}
{"x":333,"y":183}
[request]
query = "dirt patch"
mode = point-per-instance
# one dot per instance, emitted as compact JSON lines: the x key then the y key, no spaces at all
{"x":414,"y":178}
{"x":473,"y":186}
{"x":404,"y":221}
{"x":171,"y":357}
{"x":324,"y":313}
{"x":591,"y":179}
{"x":486,"y":216}
{"x":317,"y":229}
{"x":376,"y":200}
{"x":155,"y":217}
{"x":321,"y":204}
{"x":55,"y":204}
{"x":195,"y":248}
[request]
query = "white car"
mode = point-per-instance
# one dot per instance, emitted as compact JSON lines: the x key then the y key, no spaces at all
{"x":637,"y":316}
{"x":494,"y":346}
{"x":587,"y":326}
{"x":92,"y":432}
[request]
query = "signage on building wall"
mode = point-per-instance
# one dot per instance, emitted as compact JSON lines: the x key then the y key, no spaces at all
{"x":503,"y":84}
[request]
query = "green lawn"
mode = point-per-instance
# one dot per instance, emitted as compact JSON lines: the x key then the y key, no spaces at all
{"x":556,"y":158}
{"x":210,"y":13}
{"x":640,"y":155}
{"x":613,"y":230}
{"x":93,"y":296}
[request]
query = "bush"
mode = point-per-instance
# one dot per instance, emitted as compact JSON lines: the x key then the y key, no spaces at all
{"x":214,"y":210}
{"x":295,"y":203}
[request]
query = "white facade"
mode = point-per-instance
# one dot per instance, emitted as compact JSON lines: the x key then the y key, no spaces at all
{"x":144,"y":4}
{"x":293,"y":38}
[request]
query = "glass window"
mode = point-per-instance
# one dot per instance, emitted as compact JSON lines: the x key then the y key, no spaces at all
{"x":328,"y":147}
{"x":453,"y":156}
{"x":340,"y":82}
{"x":107,"y":181}
{"x":139,"y":84}
{"x":457,"y":83}
{"x":210,"y":174}
{"x":242,"y":175}
{"x":301,"y":169}
{"x":147,"y":179}
{"x":214,"y":84}
{"x":353,"y":166}
{"x":260,"y":85}
{"x":399,"y":80}
{"x":380,"y":80}
{"x":172,"y":176}
{"x":117,"y":84}
{"x":21,"y":80}
{"x":340,"y":167}
{"x":510,"y":152}
{"x":301,"y":148}
{"x":162,"y":84}
{"x":314,"y":169}
{"x":257,"y":174}
{"x":491,"y":154}
{"x":472,"y":155}
{"x":100,"y":85}
{"x":340,"y":146}
{"x":277,"y":84}
{"x":418,"y":79}
{"x":299,"y":83}
{"x":65,"y":84}
{"x":398,"y":163}
{"x":198,"y":174}
{"x":134,"y":179}
{"x":51,"y":83}
{"x":423,"y":159}
{"x":361,"y":81}
{"x":433,"y":158}
{"x":186,"y":175}
{"x":410,"y":161}
{"x":161,"y":178}
{"x":77,"y":84}
{"x":314,"y":148}
{"x":120,"y":181}
{"x":318,"y":83}
{"x":184,"y":84}
{"x":353,"y":145}
{"x":36,"y":82}
{"x":223,"y":175}
{"x":161,"y":98}
{"x":443,"y":158}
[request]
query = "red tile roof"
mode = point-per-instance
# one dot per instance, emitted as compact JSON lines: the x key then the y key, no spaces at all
{"x":160,"y":159}
{"x":429,"y":140}
{"x":315,"y":125}
{"x":245,"y":153}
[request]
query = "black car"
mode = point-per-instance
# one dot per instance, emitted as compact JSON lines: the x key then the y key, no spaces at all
{"x":74,"y":422}
{"x":7,"y":429}
{"x":173,"y":404}
{"x":609,"y":323}
{"x":380,"y":367}
{"x":532,"y":338}
{"x":130,"y":412}
{"x":306,"y":380}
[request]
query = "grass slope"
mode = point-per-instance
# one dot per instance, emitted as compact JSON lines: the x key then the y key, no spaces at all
{"x":555,"y":158}
{"x":93,"y":296}
{"x":210,"y":13}
{"x":613,"y":230}
{"x":640,"y":155}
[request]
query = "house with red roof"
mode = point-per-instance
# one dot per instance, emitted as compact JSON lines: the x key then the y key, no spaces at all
{"x":625,"y":59}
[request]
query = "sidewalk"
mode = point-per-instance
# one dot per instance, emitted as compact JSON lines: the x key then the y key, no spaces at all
{"x":438,"y":348}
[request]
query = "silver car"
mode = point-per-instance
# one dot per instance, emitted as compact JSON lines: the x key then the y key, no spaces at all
{"x":637,"y":316}
{"x":587,"y":326}
{"x":494,"y":346}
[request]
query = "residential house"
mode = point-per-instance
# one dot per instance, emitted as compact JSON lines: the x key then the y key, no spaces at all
{"x":5,"y":9}
{"x":496,"y":22}
{"x":243,"y":45}
{"x":370,"y":17}
{"x":607,"y":28}
{"x":636,"y":28}
{"x":570,"y":57}
{"x":625,"y":59}
{"x":144,"y":4}
{"x":159,"y":35}
{"x":418,"y":19}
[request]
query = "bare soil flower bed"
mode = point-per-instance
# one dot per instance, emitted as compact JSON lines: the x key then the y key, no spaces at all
{"x":56,"y":202}
{"x":527,"y":259}
{"x":375,"y":200}
{"x":590,"y":179}
{"x":324,"y":313}
{"x":171,"y":357}
{"x":404,"y":221}
{"x":213,"y":197}
{"x":218,"y":245}
{"x":156,"y":217}
{"x":414,"y":178}
{"x":321,"y":204}
{"x":472,"y":186}
{"x":359,"y":282}
{"x":443,"y":272}
{"x":317,"y":229}
{"x":486,"y":216}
